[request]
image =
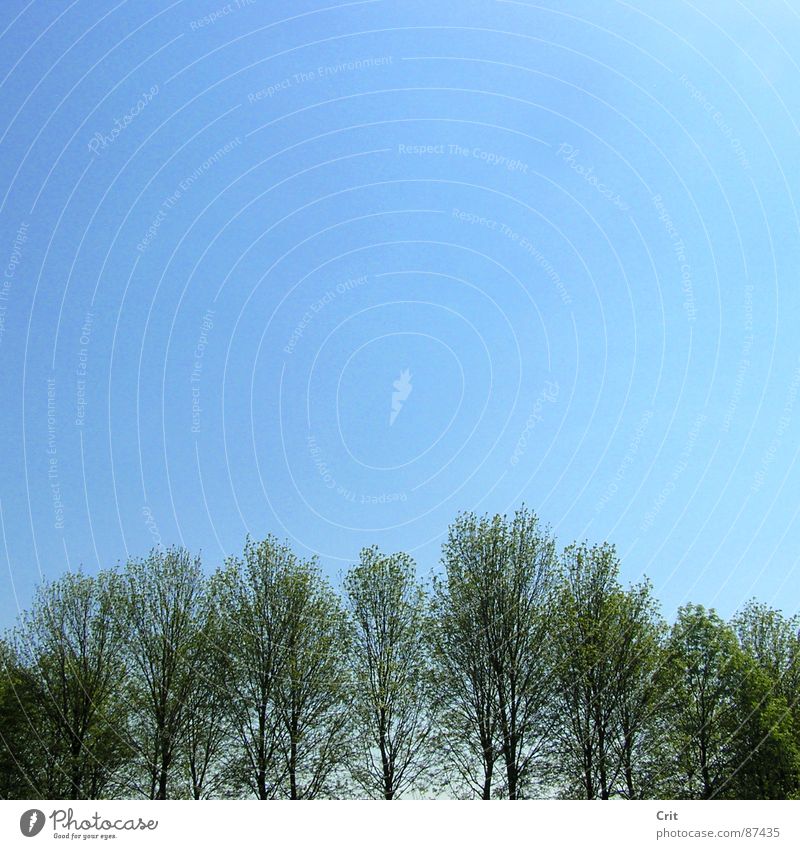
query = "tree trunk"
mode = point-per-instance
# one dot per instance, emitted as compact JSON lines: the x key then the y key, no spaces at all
{"x":388,"y":780}
{"x":488,"y":770}
{"x":513,"y":776}
{"x":601,"y":746}
{"x":588,"y":778}
{"x":162,"y":784}
{"x":293,"y":769}
{"x":261,"y":782}
{"x":487,"y":784}
{"x":163,"y":771}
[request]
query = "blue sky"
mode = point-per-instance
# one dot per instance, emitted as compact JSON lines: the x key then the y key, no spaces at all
{"x":336,"y":271}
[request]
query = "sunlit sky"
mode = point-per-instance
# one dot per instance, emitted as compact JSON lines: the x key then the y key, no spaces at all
{"x":337,"y":271}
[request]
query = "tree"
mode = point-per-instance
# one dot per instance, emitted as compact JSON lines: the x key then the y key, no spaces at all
{"x":70,"y":669}
{"x":705,"y":659}
{"x":249,"y":606}
{"x":467,"y":736}
{"x":765,"y":758}
{"x":312,"y":692}
{"x":498,"y":574}
{"x":207,"y":731}
{"x":607,"y":641}
{"x":391,"y":675}
{"x":522,"y":673}
{"x":640,"y":741}
{"x":768,"y":755}
{"x":287,"y":650}
{"x":163,"y":611}
{"x":773,"y":642}
{"x":22,"y":760}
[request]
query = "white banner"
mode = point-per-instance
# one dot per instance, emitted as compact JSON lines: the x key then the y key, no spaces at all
{"x":410,"y":824}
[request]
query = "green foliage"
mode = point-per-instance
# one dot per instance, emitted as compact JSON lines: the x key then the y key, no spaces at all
{"x":608,"y":649}
{"x":733,"y":730}
{"x":390,"y":675}
{"x":705,"y":660}
{"x":765,"y":756}
{"x":68,"y":672}
{"x":769,"y":701}
{"x":312,"y":691}
{"x":22,"y":759}
{"x":492,"y":648}
{"x":207,"y":733}
{"x":773,"y":641}
{"x":162,"y":610}
{"x":523,"y":672}
{"x":247,"y":600}
{"x":287,"y":646}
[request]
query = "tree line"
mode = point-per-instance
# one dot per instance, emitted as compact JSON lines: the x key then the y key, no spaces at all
{"x":520,"y":670}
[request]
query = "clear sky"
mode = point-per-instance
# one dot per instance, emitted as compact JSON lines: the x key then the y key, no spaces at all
{"x":337,"y":271}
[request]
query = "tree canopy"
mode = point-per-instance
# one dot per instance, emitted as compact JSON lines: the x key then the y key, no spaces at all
{"x":518,"y":670}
